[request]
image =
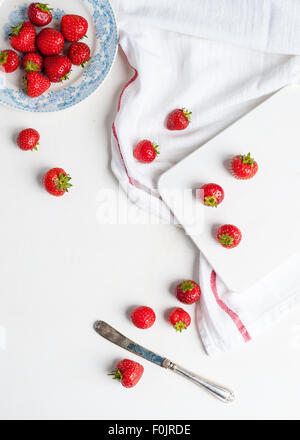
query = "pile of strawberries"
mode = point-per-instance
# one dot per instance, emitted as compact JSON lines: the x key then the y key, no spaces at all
{"x":242,"y":167}
{"x":188,"y":292}
{"x":43,"y":51}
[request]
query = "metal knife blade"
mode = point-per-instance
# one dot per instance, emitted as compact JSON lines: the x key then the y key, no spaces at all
{"x":112,"y":335}
{"x":117,"y":338}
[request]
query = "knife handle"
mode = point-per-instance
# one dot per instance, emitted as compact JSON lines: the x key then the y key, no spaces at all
{"x":220,"y":392}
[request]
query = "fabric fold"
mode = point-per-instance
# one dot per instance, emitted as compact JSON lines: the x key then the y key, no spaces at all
{"x":220,"y":59}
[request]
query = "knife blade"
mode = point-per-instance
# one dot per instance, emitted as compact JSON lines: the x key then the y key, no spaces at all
{"x":106,"y":331}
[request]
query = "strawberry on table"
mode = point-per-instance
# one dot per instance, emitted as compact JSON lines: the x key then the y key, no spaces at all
{"x":211,"y":194}
{"x":73,"y":27}
{"x":22,"y":37}
{"x":28,"y":139}
{"x":188,"y":292}
{"x":179,"y":119}
{"x":79,"y":54}
{"x":179,"y":319}
{"x":35,"y":84}
{"x":50,"y":41}
{"x":229,"y":236}
{"x":57,"y":182}
{"x":143,"y":317}
{"x":33,"y":62}
{"x":243,"y":167}
{"x":57,"y":68}
{"x":146,"y":151}
{"x":128,"y":373}
{"x":9,"y":61}
{"x":39,"y":14}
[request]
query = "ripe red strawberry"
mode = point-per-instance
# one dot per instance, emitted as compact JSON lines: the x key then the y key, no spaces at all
{"x":79,"y":54}
{"x":9,"y":61}
{"x":179,"y":119}
{"x":39,"y":14}
{"x":180,"y":319}
{"x":57,"y":182}
{"x":57,"y":68}
{"x":28,"y":139}
{"x":146,"y":151}
{"x":229,"y":236}
{"x":50,"y":42}
{"x":143,"y":317}
{"x":35,"y":84}
{"x":128,"y":373}
{"x":22,"y":37}
{"x":244,"y":167}
{"x":211,"y":194}
{"x":33,"y":62}
{"x":73,"y":27}
{"x":188,"y":292}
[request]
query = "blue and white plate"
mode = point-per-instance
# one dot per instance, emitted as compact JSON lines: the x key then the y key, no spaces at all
{"x":102,"y":39}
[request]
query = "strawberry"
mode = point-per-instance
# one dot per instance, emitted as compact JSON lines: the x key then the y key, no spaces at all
{"x":50,"y":42}
{"x":79,"y":54}
{"x":57,"y":182}
{"x":22,"y":37}
{"x":188,"y":292}
{"x":9,"y":61}
{"x":73,"y":27}
{"x":179,"y":119}
{"x":128,"y":373}
{"x":229,"y":236}
{"x":243,"y":167}
{"x":33,"y":62}
{"x":143,"y":317}
{"x":57,"y":68}
{"x":28,"y":139}
{"x":211,"y":194}
{"x":146,"y":151}
{"x":39,"y":14}
{"x":35,"y":84}
{"x":179,"y":319}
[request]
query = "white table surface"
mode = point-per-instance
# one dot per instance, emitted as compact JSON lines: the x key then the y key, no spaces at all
{"x":61,"y":269}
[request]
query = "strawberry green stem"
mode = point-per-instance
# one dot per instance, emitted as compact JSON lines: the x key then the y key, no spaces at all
{"x":16,"y":30}
{"x":25,"y":88}
{"x":226,"y":240}
{"x":117,"y":375}
{"x":179,"y":326}
{"x":30,"y":66}
{"x":65,"y":77}
{"x":211,"y":201}
{"x":155,"y":146}
{"x":62,"y":183}
{"x":85,"y":62}
{"x":186,"y":286}
{"x":187,"y":114}
{"x":3,"y":58}
{"x":44,"y":7}
{"x":247,"y":159}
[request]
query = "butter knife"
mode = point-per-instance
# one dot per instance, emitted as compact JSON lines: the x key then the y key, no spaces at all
{"x":112,"y":335}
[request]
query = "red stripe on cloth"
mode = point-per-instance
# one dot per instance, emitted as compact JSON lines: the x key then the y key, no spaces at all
{"x":235,"y":318}
{"x":114,"y":127}
{"x":118,"y":143}
{"x":127,"y":85}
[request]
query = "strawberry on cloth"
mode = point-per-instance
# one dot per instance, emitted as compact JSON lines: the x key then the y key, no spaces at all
{"x":183,"y":56}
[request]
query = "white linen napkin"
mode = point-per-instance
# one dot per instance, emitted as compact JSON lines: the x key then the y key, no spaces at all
{"x":220,"y":59}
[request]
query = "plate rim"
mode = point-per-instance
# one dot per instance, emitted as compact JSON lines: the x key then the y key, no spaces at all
{"x":72,"y":104}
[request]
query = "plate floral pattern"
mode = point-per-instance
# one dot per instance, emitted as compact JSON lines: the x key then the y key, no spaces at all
{"x":88,"y":80}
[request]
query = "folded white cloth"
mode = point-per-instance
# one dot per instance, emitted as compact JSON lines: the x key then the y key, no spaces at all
{"x":220,"y":59}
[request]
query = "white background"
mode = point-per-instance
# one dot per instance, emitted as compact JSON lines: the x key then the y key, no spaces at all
{"x":62,"y":269}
